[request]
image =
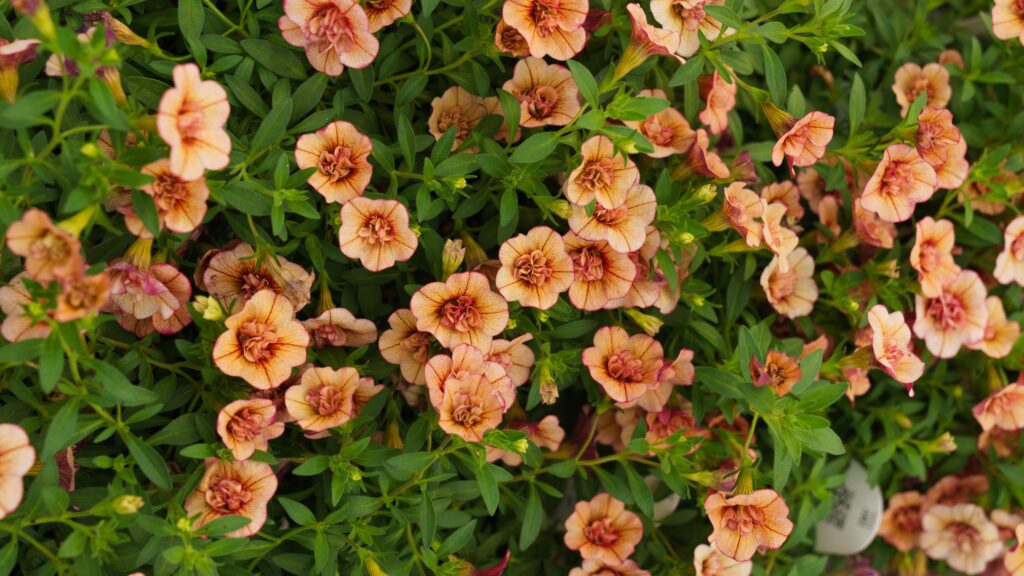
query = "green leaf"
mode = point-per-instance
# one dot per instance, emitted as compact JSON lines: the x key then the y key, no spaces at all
{"x":563,"y":469}
{"x":858,"y":103}
{"x":457,"y":540}
{"x":116,"y":386}
{"x":428,"y":519}
{"x":586,"y":83}
{"x":145,"y":209}
{"x":719,"y":382}
{"x":533,"y":519}
{"x":223,"y":525}
{"x":312,"y":466}
{"x":535,"y":148}
{"x":277,"y":58}
{"x":407,"y":140}
{"x":641,"y":493}
{"x":25,"y":112}
{"x":272,"y":128}
{"x":819,"y":439}
{"x":488,"y":487}
{"x":104,"y":107}
{"x":60,"y":433}
{"x":511,"y":109}
{"x":668,"y":269}
{"x":51,"y":362}
{"x":179,"y":432}
{"x":723,"y":14}
{"x":190,"y":20}
{"x":297,"y":511}
{"x":411,"y":462}
{"x":509,"y":206}
{"x":688,"y":72}
{"x":775,"y":74}
{"x":148,"y":460}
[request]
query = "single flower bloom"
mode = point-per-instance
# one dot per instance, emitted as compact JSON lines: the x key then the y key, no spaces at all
{"x":263,"y":342}
{"x":12,"y":56}
{"x":1004,"y":409}
{"x":178,"y":292}
{"x":779,"y":239}
{"x":1008,"y":20}
{"x":936,"y":135}
{"x":953,"y":57}
{"x":514,"y":356}
{"x":624,"y":227}
{"x":233,"y":489}
{"x":463,"y":309}
{"x":720,"y":98}
{"x":625,"y":366}
{"x":787,"y":194}
{"x":595,"y":568}
{"x":962,"y":536}
{"x":470,"y":406}
{"x":376,"y":232}
{"x":403,"y":344}
{"x":341,"y":155}
{"x":600,"y":273}
{"x":83,"y":296}
{"x":334,"y":33}
{"x":780,"y":372}
{"x":18,"y":325}
{"x":180,"y":204}
{"x":794,"y":292}
{"x":535,"y":268}
{"x":901,"y":180}
{"x":603,"y":174}
{"x":466,"y":363}
{"x":1014,"y":559}
{"x":743,"y":523}
{"x":247,"y":425}
{"x":339,"y":327}
{"x":932,"y":255}
{"x":235,"y":274}
{"x":901,"y":521}
{"x":870,"y":228}
{"x":381,"y":13}
{"x":645,"y":41}
{"x":16,"y":458}
{"x":858,"y":383}
{"x":1000,"y":334}
{"x":702,"y":160}
{"x":191,"y":120}
{"x":954,"y":317}
{"x":803,"y":141}
{"x":743,"y":209}
{"x":459,"y":109}
{"x":1010,"y":262}
{"x":139,"y":293}
{"x":547,"y":93}
{"x":709,"y":561}
{"x":667,"y":130}
{"x":912,"y":80}
{"x":890,"y":342}
{"x":603,"y":530}
{"x":551,"y":27}
{"x":323,"y":398}
{"x":509,"y":41}
{"x":688,"y":18}
{"x":50,"y":252}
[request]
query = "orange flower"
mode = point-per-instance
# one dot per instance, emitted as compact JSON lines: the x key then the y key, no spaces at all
{"x":180,"y":204}
{"x":18,"y":325}
{"x":953,"y":57}
{"x":247,"y":425}
{"x":962,"y":536}
{"x":901,"y":522}
{"x":791,"y":293}
{"x":956,"y":316}
{"x":952,"y":490}
{"x":600,"y":273}
{"x":263,"y":342}
{"x":16,"y":458}
{"x":334,"y":33}
{"x":720,"y":98}
{"x":233,"y":489}
{"x":338,"y":327}
{"x":1000,"y":334}
{"x":191,"y":120}
{"x":932,"y":255}
{"x":743,"y":523}
{"x":1010,"y":263}
{"x":514,"y":356}
{"x":780,"y":372}
{"x":135,"y":292}
{"x":625,"y":366}
{"x":467,"y":362}
{"x":462,"y":309}
{"x":551,"y":27}
{"x":323,"y":398}
{"x":646,"y":41}
{"x":1008,"y":20}
{"x":234,"y":274}
{"x":381,"y":13}
{"x":377,"y":232}
{"x":952,"y":173}
{"x":535,"y":268}
{"x":901,"y":180}
{"x":1004,"y":409}
{"x":871,"y":229}
{"x":624,"y":227}
{"x":510,"y":41}
{"x":688,"y":18}
{"x":83,"y":296}
{"x":603,"y":530}
{"x":802,"y":142}
{"x":708,"y":561}
{"x":743,"y":208}
{"x":592,"y":568}
{"x":406,"y":346}
{"x":547,"y":93}
{"x":341,"y":155}
{"x":667,"y":130}
{"x":49,"y":252}
{"x":457,"y":108}
{"x":936,"y":135}
{"x":665,"y":423}
{"x":787,"y":194}
{"x":1004,"y":442}
{"x":911,"y":80}
{"x":828,"y":215}
{"x":601,"y":175}
{"x":890,"y":342}
{"x":779,"y":239}
{"x":469,"y":406}
{"x":1014,"y":559}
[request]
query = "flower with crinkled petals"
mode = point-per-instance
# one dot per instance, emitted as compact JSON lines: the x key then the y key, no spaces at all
{"x":16,"y":458}
{"x":952,"y":490}
{"x":247,"y":425}
{"x":649,"y":282}
{"x":403,"y":344}
{"x":901,"y":521}
{"x":376,"y":232}
{"x":338,"y":327}
{"x":625,"y":366}
{"x":803,"y":142}
{"x":911,"y":80}
{"x":535,"y":268}
{"x":1000,"y":334}
{"x":547,"y":93}
{"x":932,"y":255}
{"x":469,"y":406}
{"x":334,"y":33}
{"x":600,"y":273}
{"x":465,"y":362}
{"x":603,"y":530}
{"x":667,"y":130}
{"x":595,"y":568}
{"x":744,"y":523}
{"x":15,"y":301}
{"x":1010,"y":262}
{"x":456,"y":108}
{"x":962,"y":535}
{"x":743,"y":209}
{"x":787,"y":194}
{"x":551,"y":27}
{"x":1008,"y":20}
{"x":234,"y":274}
{"x":323,"y":398}
{"x":180,"y":204}
{"x":901,"y":180}
{"x":954,"y":317}
{"x":871,"y":229}
{"x":668,"y":422}
{"x":779,"y":239}
{"x":191,"y":120}
{"x":702,"y":160}
{"x":509,"y":41}
{"x":709,"y":561}
{"x":12,"y":56}
{"x":233,"y":489}
{"x":624,"y":227}
{"x":936,"y":135}
{"x":263,"y":342}
{"x":462,"y":309}
{"x":890,"y":342}
{"x":381,"y":13}
{"x":341,"y":155}
{"x":49,"y":252}
{"x":791,"y":293}
{"x":130,"y":292}
{"x":603,"y":174}
{"x":83,"y":296}
{"x":688,"y":18}
{"x":514,"y":356}
{"x":780,"y":372}
{"x":720,"y":98}
{"x":1003,"y":409}
{"x":1014,"y":559}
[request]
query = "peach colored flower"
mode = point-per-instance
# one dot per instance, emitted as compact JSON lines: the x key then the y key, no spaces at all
{"x":510,"y":41}
{"x":803,"y":141}
{"x":131,"y":296}
{"x":535,"y":268}
{"x":381,"y":13}
{"x":1004,"y":409}
{"x":1010,"y":262}
{"x":932,"y":255}
{"x":603,"y":173}
{"x":83,"y":296}
{"x":625,"y":366}
{"x":263,"y":341}
{"x":406,"y":346}
{"x":667,"y":130}
{"x":1014,"y":559}
{"x":688,"y":18}
{"x":463,"y":309}
{"x":936,"y":135}
{"x":624,"y":227}
{"x":956,"y":316}
{"x":901,"y":180}
{"x":466,"y":363}
{"x":546,"y":434}
{"x":870,"y":228}
{"x":911,"y":80}
{"x":233,"y":489}
{"x":858,"y":383}
{"x":952,"y":490}
{"x":702,"y":160}
{"x":1008,"y":20}
{"x":338,"y":327}
{"x":469,"y":406}
{"x":514,"y":356}
{"x":180,"y":204}
{"x":247,"y":425}
{"x":16,"y":458}
{"x":18,"y":325}
{"x":334,"y":33}
{"x":780,"y":372}
{"x":49,"y":252}
{"x":323,"y":398}
{"x":709,"y":561}
{"x":743,"y":523}
{"x":720,"y":98}
{"x":828,"y":215}
{"x":787,"y":194}
{"x":1004,"y":442}
{"x":791,"y":293}
{"x":962,"y":536}
{"x":341,"y":155}
{"x":953,"y":57}
{"x":667,"y":422}
{"x":952,"y":173}
{"x":901,"y":522}
{"x":648,"y":283}
{"x":603,"y":530}
{"x":458,"y":108}
{"x":12,"y":56}
{"x":779,"y":239}
{"x":600,"y":273}
{"x":743,"y":209}
{"x":891,"y":345}
{"x":551,"y":27}
{"x":1000,"y":334}
{"x":376,"y":232}
{"x":191,"y":120}
{"x":547,"y":93}
{"x":234,"y":274}
{"x":645,"y":41}
{"x":592,"y":568}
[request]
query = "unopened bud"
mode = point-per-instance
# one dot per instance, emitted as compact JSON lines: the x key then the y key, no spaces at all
{"x":944,"y":444}
{"x":649,"y":324}
{"x":903,"y":422}
{"x":355,"y":475}
{"x":128,"y":504}
{"x":451,"y":257}
{"x":372,"y":568}
{"x":628,"y":147}
{"x":889,"y":269}
{"x":548,"y":392}
{"x":474,"y":254}
{"x":521,"y":445}
{"x":562,"y":208}
{"x":90,"y":150}
{"x":209,"y":307}
{"x":458,"y":182}
{"x":183,"y":525}
{"x":393,"y":436}
{"x":685,"y":238}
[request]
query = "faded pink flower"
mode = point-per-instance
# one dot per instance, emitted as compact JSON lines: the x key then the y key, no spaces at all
{"x":901,"y":180}
{"x":688,"y":18}
{"x":339,"y":327}
{"x":1000,"y":334}
{"x":376,"y":232}
{"x":792,"y":293}
{"x":720,"y":98}
{"x":668,"y":130}
{"x":803,"y":142}
{"x":16,"y":458}
{"x":334,"y":33}
{"x":341,"y":155}
{"x":625,"y":366}
{"x":247,"y":425}
{"x":911,"y":81}
{"x":624,"y":227}
{"x":956,"y":316}
{"x":932,"y":255}
{"x":547,"y":93}
{"x":604,"y":173}
{"x":551,"y":27}
{"x":233,"y":489}
{"x":191,"y":120}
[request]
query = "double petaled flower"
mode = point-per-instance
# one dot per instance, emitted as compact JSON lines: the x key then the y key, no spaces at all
{"x":890,"y":342}
{"x":955,"y":316}
{"x":602,"y":530}
{"x":240,"y":488}
{"x":463,"y":309}
{"x":535,"y":268}
{"x":334,"y":33}
{"x":191,"y":121}
{"x":324,"y":398}
{"x":247,"y":425}
{"x":901,"y":180}
{"x":603,"y":174}
{"x":547,"y":93}
{"x":625,"y":366}
{"x":376,"y":232}
{"x":551,"y":27}
{"x":341,"y":155}
{"x":744,"y":523}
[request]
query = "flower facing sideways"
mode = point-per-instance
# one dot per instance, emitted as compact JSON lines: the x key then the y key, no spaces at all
{"x":709,"y":561}
{"x":744,"y":523}
{"x":1014,"y":559}
{"x":334,"y":33}
{"x":16,"y":458}
{"x":1000,"y":334}
{"x":803,"y":141}
{"x":18,"y":324}
{"x":743,"y":210}
{"x":341,"y":155}
{"x":49,"y":252}
{"x":338,"y":327}
{"x":720,"y":98}
{"x":792,"y":293}
{"x":780,"y":372}
{"x":459,"y":109}
{"x":932,"y":255}
{"x":901,"y":521}
{"x":381,"y":13}
{"x":625,"y":366}
{"x":233,"y":489}
{"x":602,"y":530}
{"x":323,"y":398}
{"x":376,"y":232}
{"x":1004,"y":409}
{"x":535,"y":268}
{"x":514,"y":356}
{"x":509,"y":41}
{"x":667,"y":130}
{"x":247,"y":425}
{"x":890,"y":343}
{"x":595,"y":568}
{"x":1010,"y":262}
{"x":403,"y":344}
{"x":191,"y":121}
{"x":688,"y":18}
{"x":1008,"y":20}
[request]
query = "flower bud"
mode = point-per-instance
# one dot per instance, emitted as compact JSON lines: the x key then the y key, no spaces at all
{"x":707,"y":193}
{"x":458,"y":182}
{"x":649,"y":324}
{"x":562,"y":208}
{"x":475,"y":255}
{"x":451,"y":257}
{"x":128,"y":504}
{"x":903,"y":422}
{"x":372,"y":568}
{"x":355,"y":475}
{"x":944,"y":444}
{"x":521,"y":445}
{"x":393,"y":436}
{"x":209,"y":307}
{"x":183,"y":525}
{"x":685,"y":238}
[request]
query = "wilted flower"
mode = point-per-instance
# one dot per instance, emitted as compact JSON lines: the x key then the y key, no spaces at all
{"x":623,"y":227}
{"x":191,"y":121}
{"x":780,"y":372}
{"x":743,"y":209}
{"x":406,"y":346}
{"x":462,"y":309}
{"x":600,"y":273}
{"x":149,"y":300}
{"x":18,"y":325}
{"x":801,"y":142}
{"x":323,"y":398}
{"x":603,"y":530}
{"x":962,"y":536}
{"x":956,"y":316}
{"x":233,"y":489}
{"x":547,"y":93}
{"x":535,"y":268}
{"x":510,"y":41}
{"x":334,"y":33}
{"x":720,"y":98}
{"x":82,"y":296}
{"x":1010,"y":263}
{"x":1004,"y":409}
{"x":16,"y":458}
{"x":891,"y":344}
{"x":1000,"y":334}
{"x":667,"y":130}
{"x":709,"y":561}
{"x":901,"y":522}
{"x":791,"y":293}
{"x":12,"y":56}
{"x":376,"y":232}
{"x":932,"y":255}
{"x":180,"y":204}
{"x":603,"y":174}
{"x":688,"y":18}
{"x":743,"y":523}
{"x":779,"y":239}
{"x":338,"y":327}
{"x":341,"y":155}
{"x":625,"y":366}
{"x":551,"y":27}
{"x":911,"y":80}
{"x":381,"y":13}
{"x":901,"y":180}
{"x":234,"y":274}
{"x":49,"y":252}
{"x":247,"y":425}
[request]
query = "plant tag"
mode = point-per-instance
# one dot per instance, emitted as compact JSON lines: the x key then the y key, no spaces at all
{"x":855,"y":518}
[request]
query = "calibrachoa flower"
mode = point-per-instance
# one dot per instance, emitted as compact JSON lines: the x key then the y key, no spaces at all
{"x":16,"y":458}
{"x":1004,"y":409}
{"x":334,"y":33}
{"x":623,"y":227}
{"x":514,"y":356}
{"x":901,"y":522}
{"x":510,"y":41}
{"x":547,"y":93}
{"x":18,"y":325}
{"x":890,"y":343}
{"x":603,"y":174}
{"x":870,"y":228}
{"x":83,"y":296}
{"x":403,"y":344}
{"x":911,"y":81}
{"x":951,"y":173}
{"x":801,"y":142}
{"x":625,"y":366}
{"x":1008,"y":20}
{"x":1014,"y":559}
{"x":594,"y":568}
{"x":779,"y":239}
{"x":720,"y":98}
{"x":702,"y":160}
{"x":12,"y":56}
{"x":545,"y":434}
{"x":233,"y":489}
{"x":792,"y":293}
{"x":602,"y":530}
{"x":376,"y":232}
{"x":467,"y":362}
{"x":901,"y":180}
{"x":744,"y":523}
{"x":263,"y":341}
{"x":235,"y":274}
{"x":1010,"y":262}
{"x":951,"y":490}
{"x":469,"y":407}
{"x":551,"y":27}
{"x":456,"y":108}
{"x":180,"y":204}
{"x":323,"y":398}
{"x":149,"y":300}
{"x":338,"y":327}
{"x":743,"y":209}
{"x":381,"y":13}
{"x":936,"y":135}
{"x":954,"y":317}
{"x":648,"y":283}
{"x":462,"y":309}
{"x":932,"y":255}
{"x":787,"y":194}
{"x":247,"y":425}
{"x":1000,"y":334}
{"x":780,"y":372}
{"x":962,"y":536}
{"x":688,"y":18}
{"x":645,"y":41}
{"x":49,"y":252}
{"x":600,"y":273}
{"x":191,"y":121}
{"x":709,"y":561}
{"x":667,"y":130}
{"x":535,"y":268}
{"x":341,"y":155}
